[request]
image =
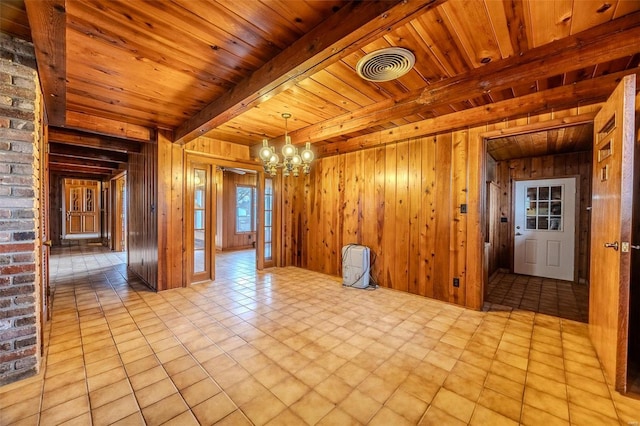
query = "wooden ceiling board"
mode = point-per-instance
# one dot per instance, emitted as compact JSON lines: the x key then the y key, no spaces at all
{"x":195,"y":60}
{"x":13,"y":19}
{"x":230,"y":66}
{"x":441,"y":42}
{"x":473,"y":30}
{"x":500,"y":24}
{"x":592,"y":13}
{"x":548,"y":142}
{"x":547,"y":21}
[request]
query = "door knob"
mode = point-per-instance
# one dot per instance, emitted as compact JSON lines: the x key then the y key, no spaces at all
{"x":47,"y":243}
{"x":518,"y":234}
{"x":635,"y":247}
{"x":613,"y":245}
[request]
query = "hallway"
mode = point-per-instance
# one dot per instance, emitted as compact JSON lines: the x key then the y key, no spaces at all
{"x":290,"y":346}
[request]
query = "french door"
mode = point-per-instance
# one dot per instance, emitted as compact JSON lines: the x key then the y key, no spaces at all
{"x":200,"y":221}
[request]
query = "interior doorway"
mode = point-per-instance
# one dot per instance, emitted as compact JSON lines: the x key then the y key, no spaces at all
{"x":118,"y":216}
{"x":552,"y":162}
{"x":81,"y":211}
{"x":224,"y":212}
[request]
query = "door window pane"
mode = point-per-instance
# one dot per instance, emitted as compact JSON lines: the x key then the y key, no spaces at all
{"x":268,"y":218}
{"x":199,"y":220}
{"x":245,"y":208}
{"x":542,"y":213}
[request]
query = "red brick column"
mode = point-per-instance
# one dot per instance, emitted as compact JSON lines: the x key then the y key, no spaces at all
{"x":19,"y":211}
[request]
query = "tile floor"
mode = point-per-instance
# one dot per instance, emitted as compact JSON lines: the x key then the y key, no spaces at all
{"x":292,"y":347}
{"x":544,"y":295}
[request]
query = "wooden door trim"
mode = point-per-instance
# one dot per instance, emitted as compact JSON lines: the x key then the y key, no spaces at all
{"x":190,"y":164}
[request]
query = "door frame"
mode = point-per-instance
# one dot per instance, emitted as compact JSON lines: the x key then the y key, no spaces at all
{"x":576,"y":229}
{"x":217,"y":161}
{"x":485,"y":137}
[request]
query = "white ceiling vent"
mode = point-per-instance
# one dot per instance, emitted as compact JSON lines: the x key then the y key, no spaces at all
{"x":385,"y":64}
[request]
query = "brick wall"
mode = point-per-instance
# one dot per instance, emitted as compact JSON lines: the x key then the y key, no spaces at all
{"x":20,"y":133}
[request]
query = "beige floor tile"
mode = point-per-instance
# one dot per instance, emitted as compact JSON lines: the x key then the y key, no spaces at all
{"x":131,"y":420}
{"x":65,"y":411}
{"x":463,"y":387}
{"x":107,"y":364}
{"x":360,"y":406}
{"x":334,"y":389}
{"x":140,"y":365}
{"x":262,"y":409}
{"x":387,"y":416}
{"x":81,"y":420}
{"x":110,"y":393}
{"x":164,"y":409}
{"x":454,"y":404}
{"x":420,"y":387}
{"x":352,"y":374}
{"x":583,"y":416}
{"x":407,"y":406}
{"x":245,"y":391}
{"x":558,"y":407}
{"x":236,"y":418}
{"x":501,"y":404}
{"x":106,"y":378}
{"x":185,"y":419}
{"x":286,"y":418}
{"x":188,"y":377}
{"x":484,"y":416}
{"x":148,"y":377}
{"x":136,"y":354}
{"x":20,"y":410}
{"x":63,"y":394}
{"x":505,"y":386}
{"x":200,"y":391}
{"x":155,"y":392}
{"x":337,"y":417}
{"x":289,"y":390}
{"x":271,"y":375}
{"x":436,"y":416}
{"x":592,"y":402}
{"x":64,"y":379}
{"x":377,"y":388}
{"x":312,"y":407}
{"x":535,"y":416}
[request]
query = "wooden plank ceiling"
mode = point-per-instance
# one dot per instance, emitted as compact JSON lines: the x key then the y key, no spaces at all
{"x":228,"y":69}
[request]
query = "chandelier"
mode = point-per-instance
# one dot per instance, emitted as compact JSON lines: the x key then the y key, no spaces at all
{"x":292,"y":162}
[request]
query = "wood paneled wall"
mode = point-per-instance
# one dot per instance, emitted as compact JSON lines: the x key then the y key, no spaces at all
{"x":403,"y":201}
{"x":56,"y":200}
{"x":506,"y":172}
{"x":226,"y":220}
{"x":142,"y":191}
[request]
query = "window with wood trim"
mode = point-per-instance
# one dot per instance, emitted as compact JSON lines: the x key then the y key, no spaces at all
{"x":245,"y":209}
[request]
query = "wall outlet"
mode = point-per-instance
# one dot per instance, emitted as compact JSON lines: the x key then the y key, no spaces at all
{"x":456,"y":282}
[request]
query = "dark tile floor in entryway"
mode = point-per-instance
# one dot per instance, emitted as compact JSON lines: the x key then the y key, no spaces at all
{"x":559,"y":298}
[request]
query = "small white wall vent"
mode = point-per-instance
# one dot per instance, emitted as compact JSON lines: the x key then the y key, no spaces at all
{"x":385,"y":64}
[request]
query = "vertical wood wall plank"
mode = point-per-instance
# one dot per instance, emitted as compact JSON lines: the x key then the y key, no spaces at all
{"x":402,"y":227}
{"x":415,"y":207}
{"x":389,"y":219}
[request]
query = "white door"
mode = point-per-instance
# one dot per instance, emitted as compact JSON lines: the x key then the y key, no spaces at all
{"x":544,"y":237}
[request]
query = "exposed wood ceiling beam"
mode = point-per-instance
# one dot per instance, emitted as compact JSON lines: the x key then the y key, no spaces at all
{"x":615,"y":39}
{"x":583,"y":93}
{"x":575,"y":120}
{"x":87,"y":153}
{"x":80,"y":169}
{"x":108,"y":127}
{"x":349,"y":29}
{"x":75,"y":161}
{"x":47,"y":19}
{"x":71,"y":137}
